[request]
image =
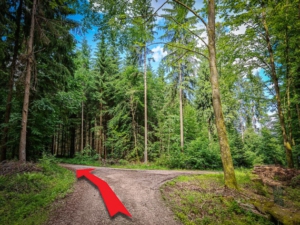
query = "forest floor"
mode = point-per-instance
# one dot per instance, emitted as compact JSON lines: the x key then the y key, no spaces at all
{"x":34,"y":193}
{"x":267,"y":195}
{"x":138,"y":190}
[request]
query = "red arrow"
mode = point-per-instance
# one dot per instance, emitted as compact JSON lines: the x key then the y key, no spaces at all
{"x":112,"y":202}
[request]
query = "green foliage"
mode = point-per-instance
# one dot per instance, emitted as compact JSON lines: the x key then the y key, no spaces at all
{"x":107,"y":88}
{"x":200,"y":154}
{"x":256,"y":148}
{"x":25,"y":198}
{"x":203,"y":155}
{"x":87,"y":157}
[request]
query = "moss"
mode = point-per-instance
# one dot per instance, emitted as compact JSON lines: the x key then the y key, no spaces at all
{"x":202,"y":199}
{"x":280,"y":214}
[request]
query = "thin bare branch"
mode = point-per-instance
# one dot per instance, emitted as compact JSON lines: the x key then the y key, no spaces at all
{"x":154,"y":14}
{"x":181,"y":47}
{"x":192,"y":32}
{"x":180,"y":57}
{"x":192,"y":11}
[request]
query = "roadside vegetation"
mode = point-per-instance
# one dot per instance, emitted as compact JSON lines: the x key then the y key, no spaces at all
{"x":202,"y":199}
{"x":27,"y":190}
{"x":163,"y":163}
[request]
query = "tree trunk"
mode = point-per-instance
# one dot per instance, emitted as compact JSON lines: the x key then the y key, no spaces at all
{"x":11,"y":84}
{"x":181,"y":110}
{"x":72,"y":140}
{"x":104,"y":148}
{"x":286,"y":142}
{"x":229,"y":175}
{"x":208,"y":129}
{"x":92,"y":137}
{"x":22,"y":148}
{"x":81,"y":135}
{"x":145,"y":105}
{"x":133,"y":124}
{"x":53,"y":144}
{"x":297,"y":107}
{"x":95,"y":139}
{"x":101,"y":130}
{"x":87,"y":135}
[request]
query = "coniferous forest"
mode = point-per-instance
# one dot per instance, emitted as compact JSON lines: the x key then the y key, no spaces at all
{"x":225,"y":92}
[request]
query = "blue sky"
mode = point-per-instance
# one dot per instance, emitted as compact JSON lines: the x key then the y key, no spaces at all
{"x":157,"y":49}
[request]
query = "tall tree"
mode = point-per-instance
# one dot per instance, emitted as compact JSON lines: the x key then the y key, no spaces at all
{"x":286,"y":142}
{"x":264,"y":46}
{"x":143,"y":19}
{"x":181,"y":61}
{"x":11,"y":81}
{"x":30,"y":59}
{"x":229,"y":175}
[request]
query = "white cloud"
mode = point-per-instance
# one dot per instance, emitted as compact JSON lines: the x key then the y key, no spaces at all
{"x":156,"y":5}
{"x":256,"y":70}
{"x":158,"y":53}
{"x":240,"y":30}
{"x":204,"y":37}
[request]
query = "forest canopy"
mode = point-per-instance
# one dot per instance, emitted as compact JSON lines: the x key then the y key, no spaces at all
{"x":223,"y":91}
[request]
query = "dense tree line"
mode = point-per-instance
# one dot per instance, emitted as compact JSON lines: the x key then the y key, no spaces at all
{"x":216,"y":88}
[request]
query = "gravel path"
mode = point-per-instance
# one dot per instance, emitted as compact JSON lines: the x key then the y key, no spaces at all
{"x":138,"y":190}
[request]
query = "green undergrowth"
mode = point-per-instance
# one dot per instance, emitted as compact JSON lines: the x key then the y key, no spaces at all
{"x":26,"y":198}
{"x":177,"y":161}
{"x":202,"y":199}
{"x":139,"y":165}
{"x":87,"y":157}
{"x":124,"y":164}
{"x":80,"y":161}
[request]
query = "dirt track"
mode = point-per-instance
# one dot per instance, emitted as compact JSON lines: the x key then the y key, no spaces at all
{"x":137,"y":189}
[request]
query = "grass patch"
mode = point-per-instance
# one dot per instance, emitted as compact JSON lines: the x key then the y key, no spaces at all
{"x":202,"y":199}
{"x":26,"y":198}
{"x":124,"y":164}
{"x":80,"y":161}
{"x":89,"y":157}
{"x":140,"y":166}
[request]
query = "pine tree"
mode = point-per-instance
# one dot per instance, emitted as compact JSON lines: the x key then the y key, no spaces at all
{"x":180,"y":61}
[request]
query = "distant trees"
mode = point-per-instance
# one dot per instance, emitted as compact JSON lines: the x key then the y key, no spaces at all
{"x":268,"y":37}
{"x":29,"y":63}
{"x":39,"y":34}
{"x":181,"y":62}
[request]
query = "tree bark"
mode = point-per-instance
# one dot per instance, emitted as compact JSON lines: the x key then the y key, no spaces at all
{"x":145,"y":105}
{"x":81,"y":135}
{"x":297,"y":107}
{"x":286,"y":142}
{"x":72,"y":140}
{"x":181,"y":110}
{"x":11,"y":83}
{"x":101,"y":130}
{"x":133,"y":124}
{"x":208,"y":129}
{"x":22,"y":148}
{"x":229,"y":175}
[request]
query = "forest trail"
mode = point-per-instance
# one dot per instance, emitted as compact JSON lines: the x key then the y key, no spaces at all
{"x":138,"y":190}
